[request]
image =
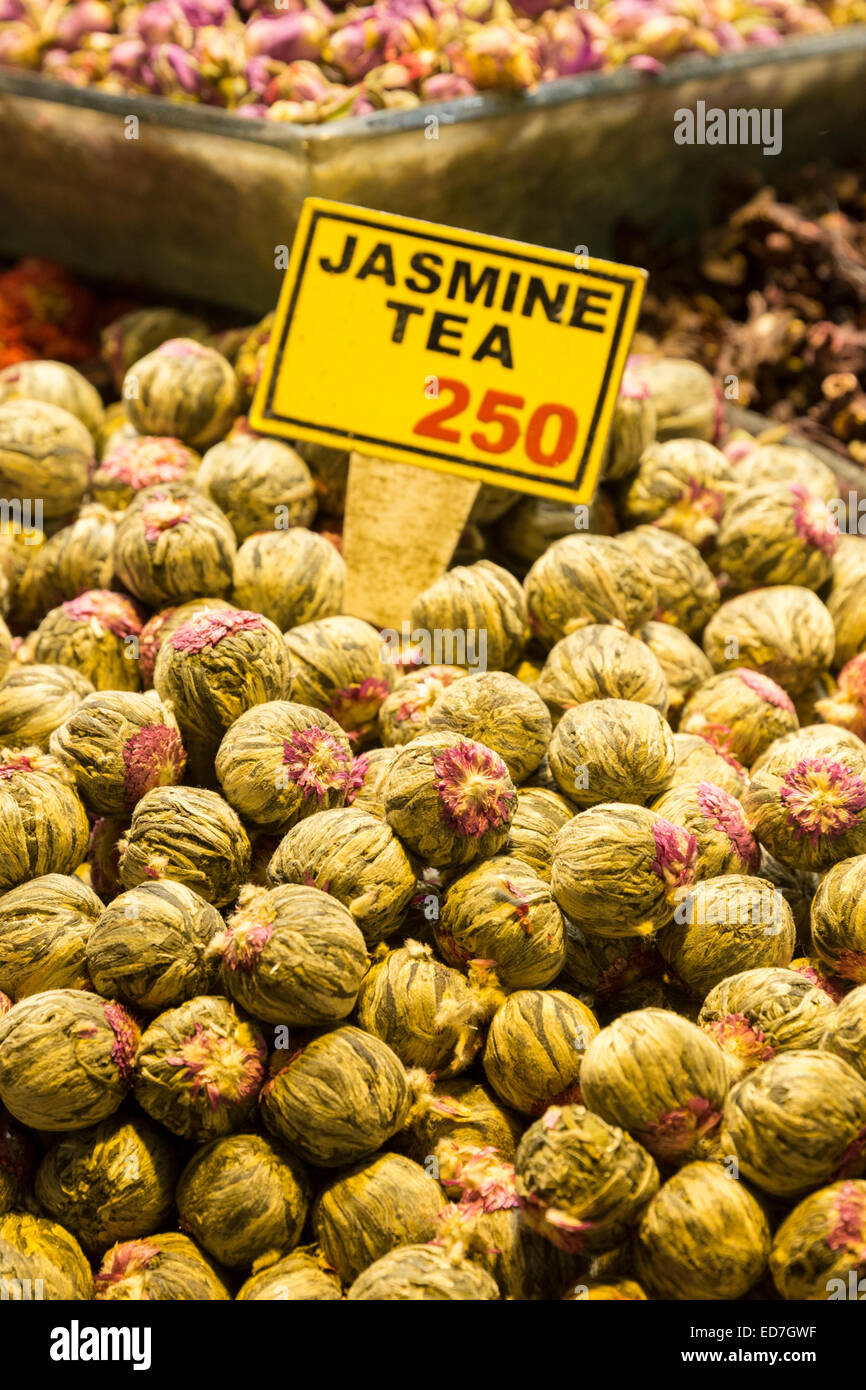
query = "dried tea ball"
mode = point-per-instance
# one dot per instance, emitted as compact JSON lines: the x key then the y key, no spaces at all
{"x":807,"y":803}
{"x":182,"y":389}
{"x":118,"y":745}
{"x":55,"y":383}
{"x":601,"y":662}
{"x":457,"y":1116}
{"x":160,"y":627}
{"x":535,"y":1046}
{"x":338,"y":1099}
{"x":686,"y":589}
{"x":624,"y":1291}
{"x":536,"y":522}
{"x":500,"y":711}
{"x":166,"y":1268}
{"x":846,"y":706}
{"x":538,"y":819}
{"x":293,"y":577}
{"x":812,"y":968}
{"x":817,"y":1252}
{"x":479,"y":609}
{"x":45,"y":453}
{"x":292,"y":955}
{"x":606,"y":749}
{"x":740,"y":712}
{"x":17,"y":1154}
{"x":110,"y":1182}
{"x":338,"y":665}
{"x":756,"y":1013}
{"x":115,"y":429}
{"x":405,"y":712}
{"x":684,"y":395}
{"x":66,"y":1059}
{"x":149,"y":947}
{"x":243,"y":1200}
{"x":681,"y":485}
{"x":582,"y":1183}
{"x":717,"y":821}
{"x":618,"y":869}
{"x":425,"y":1011}
{"x":131,"y":335}
{"x":839,"y":920}
{"x":44,"y":925}
{"x":259,"y":484}
{"x":797,"y":888}
{"x":297,"y":1278}
{"x":191,"y":836}
{"x":797,"y":1123}
{"x":96,"y":634}
{"x":699,"y":761}
{"x":501,"y":912}
{"x":356,"y":858}
{"x":39,"y":1255}
{"x":845,"y":601}
{"x":43,"y":825}
{"x":77,"y":557}
{"x":633,"y":427}
{"x":199,"y":1069}
{"x":702,"y":1237}
{"x":5,"y":648}
{"x":658,"y":1076}
{"x":724,"y":925}
{"x":384,"y":1202}
{"x":449,"y":799}
{"x":619,"y":971}
{"x":682,"y":663}
{"x":587,"y":579}
{"x":367,"y":780}
{"x":422,"y":1273}
{"x":845,"y":1034}
{"x":128,"y":466}
{"x":785,"y":463}
{"x":784,"y":632}
{"x":776,"y":534}
{"x":172,"y":544}
{"x":250,"y":355}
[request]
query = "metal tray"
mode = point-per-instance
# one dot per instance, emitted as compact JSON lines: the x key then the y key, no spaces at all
{"x":198,"y":203}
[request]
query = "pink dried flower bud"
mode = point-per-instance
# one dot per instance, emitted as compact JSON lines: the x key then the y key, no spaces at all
{"x":154,"y":757}
{"x":220,"y":1067}
{"x":248,"y":932}
{"x":446,"y":86}
{"x":814,"y":521}
{"x":823,"y":797}
{"x":287,"y":37}
{"x":676,"y":1132}
{"x":474,"y":789}
{"x":676,"y":855}
{"x":208,"y":628}
{"x":81,"y":19}
{"x":847,"y":706}
{"x":107,"y":610}
{"x":726,"y":814}
{"x":499,"y":56}
{"x":743,"y":1040}
{"x":126,"y":1042}
{"x":317,"y":763}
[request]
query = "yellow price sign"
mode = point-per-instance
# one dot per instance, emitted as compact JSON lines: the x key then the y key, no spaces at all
{"x":474,"y":355}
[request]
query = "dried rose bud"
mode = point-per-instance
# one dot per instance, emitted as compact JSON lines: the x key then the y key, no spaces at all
{"x":498,"y":56}
{"x":587,"y":579}
{"x":95,"y":633}
{"x":739,"y":712}
{"x":131,"y":465}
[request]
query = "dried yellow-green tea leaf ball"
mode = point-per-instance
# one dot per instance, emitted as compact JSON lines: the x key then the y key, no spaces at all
{"x":422,"y":1274}
{"x":724,"y":925}
{"x":110,"y":1182}
{"x":292,"y":955}
{"x":618,"y":869}
{"x":243,"y":1200}
{"x":449,"y":799}
{"x":587,"y":579}
{"x":538,"y":819}
{"x":699,"y":761}
{"x":43,"y":825}
{"x":44,"y":925}
{"x":839,"y":920}
{"x":480,"y":609}
{"x":846,"y":705}
{"x":404,"y":714}
{"x":486,"y":1225}
{"x":367,"y":779}
{"x":356,"y":858}
{"x":149,"y":947}
{"x":66,"y":1059}
{"x":39,"y":1255}
{"x":845,"y":601}
{"x":622,"y":972}
{"x":776,"y":534}
{"x":681,"y":485}
{"x":338,"y":1099}
{"x":535,"y":1046}
{"x":45,"y":453}
{"x":785,"y":632}
{"x":191,"y":836}
{"x":536,"y":522}
{"x":797,"y":1122}
{"x":97,"y":635}
{"x":612,"y":749}
{"x":55,"y":383}
{"x":806,"y":802}
{"x":818,"y":1251}
{"x":384,"y":1202}
{"x":702,"y":1237}
{"x":682,"y":663}
{"x":684,"y":394}
{"x":756,"y":1013}
{"x":293,"y":577}
{"x":339,"y":665}
{"x":160,"y":627}
{"x":845,"y":1034}
{"x":500,"y":711}
{"x":172,"y":545}
{"x":117,"y":745}
{"x":740,"y":712}
{"x":658,"y":1076}
{"x":797,"y":887}
{"x":633,"y":427}
{"x":330,"y":470}
{"x":259,"y":484}
{"x":182,"y":389}
{"x":128,"y":466}
{"x":501,"y":912}
{"x":458,"y":1116}
{"x":199,"y":1069}
{"x":5,"y":648}
{"x":785,"y":463}
{"x":717,"y":821}
{"x":17,"y":1154}
{"x":298,"y":1278}
{"x":601,"y":662}
{"x":130,"y":336}
{"x":78,"y":557}
{"x":686,"y":589}
{"x":167,"y":1268}
{"x":582,"y":1183}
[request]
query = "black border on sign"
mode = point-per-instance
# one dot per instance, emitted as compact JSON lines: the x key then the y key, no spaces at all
{"x":566,"y":485}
